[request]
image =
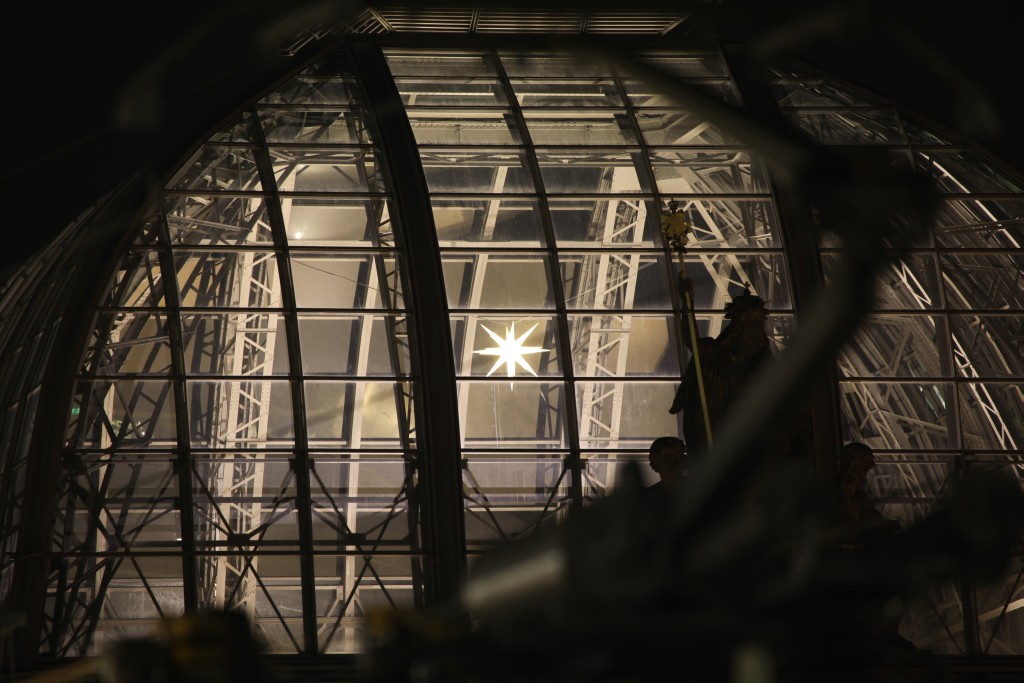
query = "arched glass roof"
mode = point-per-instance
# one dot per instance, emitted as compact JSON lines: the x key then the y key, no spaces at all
{"x":242,"y":426}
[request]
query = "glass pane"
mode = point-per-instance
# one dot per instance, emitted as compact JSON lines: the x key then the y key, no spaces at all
{"x":126,"y":413}
{"x":266,"y":587}
{"x":351,"y":345}
{"x":615,"y":281}
{"x":897,"y":346}
{"x":348,"y":588}
{"x":353,"y":414}
{"x":122,"y":505}
{"x":137,"y":282}
{"x":244,"y":414}
{"x":217,"y":220}
{"x":906,"y":489}
{"x":567,"y":93}
{"x":219,"y":168}
{"x":597,"y":171}
{"x":512,"y":414}
{"x":1000,"y":619}
{"x":592,"y":222}
{"x":909,"y":283}
{"x":965,"y":171}
{"x":898,"y":416}
{"x":674,"y":127}
{"x":443,"y":92}
{"x":497,"y":281}
{"x":719,"y":278}
{"x":984,"y":281}
{"x":624,"y":345}
{"x":235,"y":344}
{"x":603,"y":472}
{"x":505,"y":346}
{"x":922,"y":134}
{"x":816,"y":92}
{"x":687,"y":65}
{"x":354,"y":485}
{"x":344,"y":126}
{"x":463,"y":127}
{"x":483,"y":171}
{"x":934,"y":621}
{"x":643,"y":94}
{"x":131,"y":343}
{"x":328,"y":170}
{"x":707,"y":172}
{"x":625,"y":414}
{"x":512,"y":495}
{"x":448,"y":63}
{"x":979,"y":224}
{"x":850,"y":127}
{"x":471,"y":221}
{"x":140,"y":592}
{"x":235,"y":279}
{"x":245,"y":502}
{"x":349,"y":280}
{"x":579,"y":127}
{"x":988,"y":345}
{"x":992,"y":415}
{"x":311,"y":90}
{"x":334,"y":222}
{"x":551,"y":64}
{"x":241,"y":131}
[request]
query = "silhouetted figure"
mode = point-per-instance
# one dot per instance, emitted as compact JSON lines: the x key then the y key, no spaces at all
{"x":856,"y":525}
{"x":727,"y":362}
{"x":855,"y":519}
{"x":667,"y":456}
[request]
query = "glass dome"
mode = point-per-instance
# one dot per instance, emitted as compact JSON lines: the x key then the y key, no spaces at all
{"x":246,"y":422}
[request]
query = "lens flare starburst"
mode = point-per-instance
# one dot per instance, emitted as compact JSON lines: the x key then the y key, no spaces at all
{"x":510,"y":351}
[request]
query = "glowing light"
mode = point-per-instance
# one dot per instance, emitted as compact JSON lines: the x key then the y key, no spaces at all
{"x":510,"y":351}
{"x":298,"y":234}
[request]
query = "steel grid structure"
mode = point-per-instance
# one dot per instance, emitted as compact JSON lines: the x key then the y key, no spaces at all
{"x":242,"y":425}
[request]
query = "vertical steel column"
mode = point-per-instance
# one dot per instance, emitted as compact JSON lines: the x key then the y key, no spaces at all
{"x":575,"y":461}
{"x":800,"y":246}
{"x":436,"y":397}
{"x":183,"y":456}
{"x":646,"y":171}
{"x":301,"y":462}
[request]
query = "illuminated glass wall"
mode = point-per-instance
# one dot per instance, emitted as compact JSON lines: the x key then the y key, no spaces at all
{"x":548,"y":178}
{"x":241,"y":430}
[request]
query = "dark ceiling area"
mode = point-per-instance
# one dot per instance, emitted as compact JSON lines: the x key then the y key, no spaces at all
{"x":101,"y":91}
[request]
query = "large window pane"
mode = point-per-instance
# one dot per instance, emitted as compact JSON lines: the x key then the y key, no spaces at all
{"x":348,"y":280}
{"x":461,"y":171}
{"x":497,"y":280}
{"x":898,"y":416}
{"x":336,"y":222}
{"x":468,"y":222}
{"x":512,"y":414}
{"x":463,"y":127}
{"x":567,"y":171}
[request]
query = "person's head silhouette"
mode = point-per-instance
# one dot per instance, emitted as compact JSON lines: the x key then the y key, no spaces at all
{"x":667,"y":456}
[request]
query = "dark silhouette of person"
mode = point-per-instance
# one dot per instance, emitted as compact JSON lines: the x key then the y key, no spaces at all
{"x":727,"y":362}
{"x":667,"y":455}
{"x":855,"y":521}
{"x":856,"y":525}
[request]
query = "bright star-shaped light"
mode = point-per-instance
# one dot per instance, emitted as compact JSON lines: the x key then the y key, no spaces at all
{"x":510,"y":351}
